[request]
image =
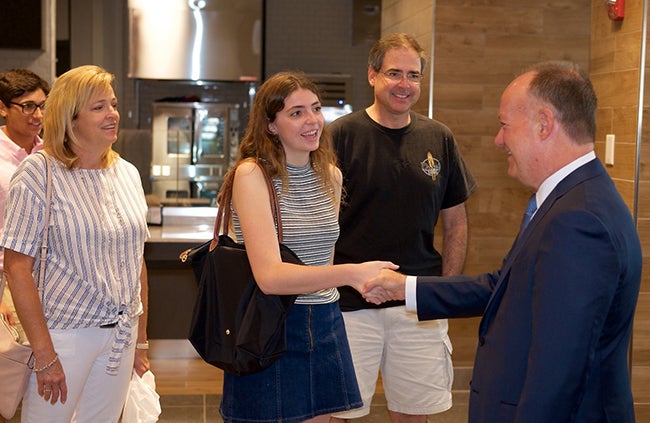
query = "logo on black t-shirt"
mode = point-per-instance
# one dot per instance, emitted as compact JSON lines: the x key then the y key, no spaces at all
{"x":430,"y":166}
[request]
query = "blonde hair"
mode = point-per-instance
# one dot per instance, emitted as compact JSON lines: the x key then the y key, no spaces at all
{"x":70,"y":93}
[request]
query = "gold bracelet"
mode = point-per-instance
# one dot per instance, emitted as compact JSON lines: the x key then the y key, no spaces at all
{"x":48,"y":365}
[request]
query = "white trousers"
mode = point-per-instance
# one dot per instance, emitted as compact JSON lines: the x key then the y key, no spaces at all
{"x":93,"y":395}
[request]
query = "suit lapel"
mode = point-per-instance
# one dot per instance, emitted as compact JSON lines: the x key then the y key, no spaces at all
{"x":587,"y":171}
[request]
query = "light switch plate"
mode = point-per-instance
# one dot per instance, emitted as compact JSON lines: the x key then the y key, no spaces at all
{"x":609,"y":149}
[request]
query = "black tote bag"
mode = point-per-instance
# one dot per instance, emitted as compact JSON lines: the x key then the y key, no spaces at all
{"x":235,"y":326}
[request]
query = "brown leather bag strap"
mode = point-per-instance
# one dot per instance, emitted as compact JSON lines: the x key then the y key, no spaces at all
{"x":224,"y":212}
{"x":275,"y":204}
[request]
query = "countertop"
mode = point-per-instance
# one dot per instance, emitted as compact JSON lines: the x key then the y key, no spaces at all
{"x":180,"y":233}
{"x":184,"y":225}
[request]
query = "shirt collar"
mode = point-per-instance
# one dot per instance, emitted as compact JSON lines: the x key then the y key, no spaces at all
{"x":552,"y":181}
{"x":8,"y":148}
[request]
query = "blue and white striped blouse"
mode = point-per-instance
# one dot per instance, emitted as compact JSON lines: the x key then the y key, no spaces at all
{"x":96,"y":242}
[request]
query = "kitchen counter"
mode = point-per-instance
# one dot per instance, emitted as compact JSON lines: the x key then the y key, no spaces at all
{"x":180,"y":233}
{"x":184,"y":224}
{"x":168,"y":241}
{"x":172,"y":287}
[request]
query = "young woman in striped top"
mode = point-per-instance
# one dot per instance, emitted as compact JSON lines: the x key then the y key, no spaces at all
{"x":315,"y":377}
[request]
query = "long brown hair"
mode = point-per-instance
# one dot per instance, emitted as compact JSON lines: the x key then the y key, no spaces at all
{"x":260,"y":145}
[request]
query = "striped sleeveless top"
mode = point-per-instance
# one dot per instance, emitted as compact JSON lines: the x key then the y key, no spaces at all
{"x":309,"y":225}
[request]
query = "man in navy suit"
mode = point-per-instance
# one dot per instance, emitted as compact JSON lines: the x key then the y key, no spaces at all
{"x":557,"y":316}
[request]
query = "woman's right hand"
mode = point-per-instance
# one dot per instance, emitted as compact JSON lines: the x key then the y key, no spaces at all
{"x":369,"y":270}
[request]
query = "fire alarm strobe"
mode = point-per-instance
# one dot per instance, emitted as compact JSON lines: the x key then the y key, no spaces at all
{"x":615,"y":9}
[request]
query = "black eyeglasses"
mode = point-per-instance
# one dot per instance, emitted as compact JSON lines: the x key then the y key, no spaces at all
{"x":397,"y":76}
{"x":29,"y":108}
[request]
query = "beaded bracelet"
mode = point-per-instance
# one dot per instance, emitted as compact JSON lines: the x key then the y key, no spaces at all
{"x":48,"y":365}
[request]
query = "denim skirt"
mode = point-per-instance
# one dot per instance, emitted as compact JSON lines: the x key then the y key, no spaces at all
{"x":314,"y":377}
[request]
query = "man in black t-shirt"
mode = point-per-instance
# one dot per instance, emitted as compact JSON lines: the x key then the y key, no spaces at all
{"x":401,"y":171}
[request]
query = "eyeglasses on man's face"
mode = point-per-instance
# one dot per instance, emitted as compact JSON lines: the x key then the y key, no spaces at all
{"x":397,"y":76}
{"x":30,"y":107}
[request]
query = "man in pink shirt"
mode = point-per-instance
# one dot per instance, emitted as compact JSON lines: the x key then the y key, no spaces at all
{"x":22,"y":104}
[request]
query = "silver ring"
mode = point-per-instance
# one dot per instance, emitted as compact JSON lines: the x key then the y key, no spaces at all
{"x":47,"y":389}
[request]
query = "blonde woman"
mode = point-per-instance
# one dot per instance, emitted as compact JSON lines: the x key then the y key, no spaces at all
{"x":86,"y":324}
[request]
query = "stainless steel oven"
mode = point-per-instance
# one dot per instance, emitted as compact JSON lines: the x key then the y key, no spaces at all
{"x":193,"y":145}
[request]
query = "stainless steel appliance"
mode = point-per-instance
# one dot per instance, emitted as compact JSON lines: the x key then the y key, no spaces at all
{"x":218,"y":40}
{"x":193,"y":146}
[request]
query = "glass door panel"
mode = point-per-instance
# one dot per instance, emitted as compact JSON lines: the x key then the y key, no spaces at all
{"x":179,"y":135}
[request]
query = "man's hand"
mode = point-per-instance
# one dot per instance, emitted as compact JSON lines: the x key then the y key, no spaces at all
{"x":367,"y":271}
{"x":389,"y":285}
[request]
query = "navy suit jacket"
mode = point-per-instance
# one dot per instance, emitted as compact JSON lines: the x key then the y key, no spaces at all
{"x":557,"y":316}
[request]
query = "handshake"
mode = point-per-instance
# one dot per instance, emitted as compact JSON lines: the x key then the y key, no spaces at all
{"x":384,"y":286}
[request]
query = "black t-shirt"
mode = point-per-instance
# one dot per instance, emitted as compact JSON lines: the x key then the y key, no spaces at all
{"x":396,"y":182}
